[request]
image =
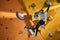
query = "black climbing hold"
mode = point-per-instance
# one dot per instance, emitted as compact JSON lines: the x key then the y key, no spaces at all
{"x":32,"y":6}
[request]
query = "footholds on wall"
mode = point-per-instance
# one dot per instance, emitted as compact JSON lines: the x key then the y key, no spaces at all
{"x":6,"y":27}
{"x":11,"y":18}
{"x":50,"y":35}
{"x":19,"y":15}
{"x":10,"y":10}
{"x":21,"y":9}
{"x":1,"y":24}
{"x":32,"y":6}
{"x":20,"y":32}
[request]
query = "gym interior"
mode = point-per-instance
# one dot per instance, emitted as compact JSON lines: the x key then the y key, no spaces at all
{"x":12,"y":28}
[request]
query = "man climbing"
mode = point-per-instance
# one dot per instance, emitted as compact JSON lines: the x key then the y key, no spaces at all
{"x":30,"y":24}
{"x":43,"y":16}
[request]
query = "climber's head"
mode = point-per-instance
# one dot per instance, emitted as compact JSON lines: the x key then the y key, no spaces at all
{"x":41,"y":11}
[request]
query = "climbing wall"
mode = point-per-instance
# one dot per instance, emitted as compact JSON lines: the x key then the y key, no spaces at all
{"x":11,"y":28}
{"x":37,"y":5}
{"x":53,"y":27}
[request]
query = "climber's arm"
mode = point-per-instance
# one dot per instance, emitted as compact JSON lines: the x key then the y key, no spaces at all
{"x":48,"y":8}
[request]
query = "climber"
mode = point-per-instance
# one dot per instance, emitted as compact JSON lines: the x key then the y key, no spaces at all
{"x":43,"y":20}
{"x":29,"y":22}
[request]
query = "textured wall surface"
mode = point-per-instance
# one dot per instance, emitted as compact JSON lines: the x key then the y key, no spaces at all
{"x":11,"y":28}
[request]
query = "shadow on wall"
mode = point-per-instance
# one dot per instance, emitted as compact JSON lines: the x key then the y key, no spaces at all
{"x":12,"y":6}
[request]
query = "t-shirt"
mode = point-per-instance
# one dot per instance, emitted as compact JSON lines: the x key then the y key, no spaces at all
{"x":43,"y":16}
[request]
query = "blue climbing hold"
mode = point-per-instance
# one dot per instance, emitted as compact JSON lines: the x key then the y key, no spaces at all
{"x":36,"y":15}
{"x":58,"y":1}
{"x":19,"y":16}
{"x":50,"y":35}
{"x":31,"y":31}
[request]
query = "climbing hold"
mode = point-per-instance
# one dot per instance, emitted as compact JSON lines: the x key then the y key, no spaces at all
{"x":50,"y":35}
{"x":19,"y":15}
{"x":11,"y":19}
{"x":1,"y":24}
{"x":36,"y":15}
{"x":58,"y":1}
{"x":6,"y":27}
{"x":32,"y":6}
{"x":20,"y":32}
